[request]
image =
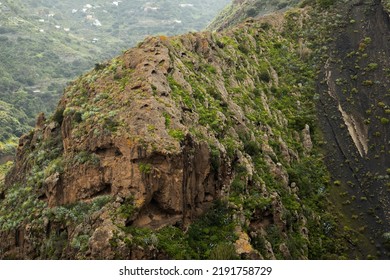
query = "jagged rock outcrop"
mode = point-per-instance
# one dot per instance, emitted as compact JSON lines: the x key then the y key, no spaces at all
{"x":204,"y":145}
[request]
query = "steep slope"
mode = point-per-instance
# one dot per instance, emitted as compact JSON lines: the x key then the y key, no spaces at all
{"x":199,"y":146}
{"x":44,"y":44}
{"x":354,"y":111}
{"x":240,"y":10}
{"x":207,"y":145}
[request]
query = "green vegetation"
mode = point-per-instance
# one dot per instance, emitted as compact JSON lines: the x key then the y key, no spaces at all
{"x":177,"y":134}
{"x":46,"y":44}
{"x":86,"y":157}
{"x":239,"y":11}
{"x":78,"y":213}
{"x":13,"y":123}
{"x":248,"y":93}
{"x":145,"y":168}
{"x":216,"y":227}
{"x":127,"y":209}
{"x":210,"y":237}
{"x":4,"y":168}
{"x":253,"y":83}
{"x":326,"y":3}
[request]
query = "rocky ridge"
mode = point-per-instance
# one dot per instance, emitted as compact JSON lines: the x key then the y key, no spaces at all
{"x":239,"y":10}
{"x":204,"y":145}
{"x":45,"y":44}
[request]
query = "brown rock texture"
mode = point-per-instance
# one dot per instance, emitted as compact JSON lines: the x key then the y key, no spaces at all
{"x":196,"y":146}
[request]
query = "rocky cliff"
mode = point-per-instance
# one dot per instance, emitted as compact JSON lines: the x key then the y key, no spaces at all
{"x":354,"y":111}
{"x":205,"y":145}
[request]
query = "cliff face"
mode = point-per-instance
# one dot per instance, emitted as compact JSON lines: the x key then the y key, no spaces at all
{"x":204,"y":145}
{"x":354,"y":111}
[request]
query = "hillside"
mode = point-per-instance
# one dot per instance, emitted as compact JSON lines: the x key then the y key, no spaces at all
{"x":352,"y":107}
{"x":249,"y":143}
{"x":240,"y":10}
{"x":354,"y":111}
{"x":45,"y":44}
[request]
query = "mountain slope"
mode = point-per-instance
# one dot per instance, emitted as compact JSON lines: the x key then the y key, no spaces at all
{"x":160,"y":133}
{"x":214,"y":146}
{"x":44,"y":44}
{"x":354,"y":112}
{"x":239,"y":10}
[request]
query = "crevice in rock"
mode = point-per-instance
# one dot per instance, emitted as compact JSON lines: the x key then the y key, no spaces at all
{"x":106,"y":190}
{"x":108,"y":151}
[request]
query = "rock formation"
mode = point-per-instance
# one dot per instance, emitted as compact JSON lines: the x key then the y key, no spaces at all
{"x":204,"y":145}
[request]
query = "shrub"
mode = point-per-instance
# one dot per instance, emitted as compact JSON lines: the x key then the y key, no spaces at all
{"x":127,"y":208}
{"x":238,"y":185}
{"x":211,"y":69}
{"x":87,"y":157}
{"x":177,"y":134}
{"x":58,"y":115}
{"x":173,"y":242}
{"x":252,"y":148}
{"x":337,"y":183}
{"x":372,"y":66}
{"x":326,"y":3}
{"x":264,"y":76}
{"x":145,"y":168}
{"x":167,"y":118}
{"x":80,"y":243}
{"x":215,"y":227}
{"x":243,"y":49}
{"x":384,"y":121}
{"x":223,"y":251}
{"x":367,"y":83}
